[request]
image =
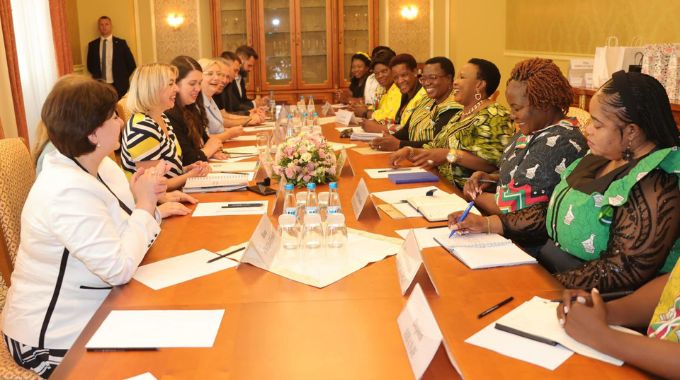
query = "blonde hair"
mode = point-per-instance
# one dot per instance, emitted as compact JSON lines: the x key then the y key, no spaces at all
{"x":207,"y":62}
{"x":146,"y":85}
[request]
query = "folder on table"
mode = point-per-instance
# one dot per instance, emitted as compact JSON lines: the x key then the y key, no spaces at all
{"x":216,"y":182}
{"x":412,"y":177}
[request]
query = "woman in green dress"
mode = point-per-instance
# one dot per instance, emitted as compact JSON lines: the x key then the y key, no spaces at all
{"x":613,"y":221}
{"x":474,"y":138}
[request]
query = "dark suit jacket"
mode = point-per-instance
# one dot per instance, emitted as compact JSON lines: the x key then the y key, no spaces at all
{"x":122,"y":63}
{"x":230,"y":101}
{"x":239,"y":100}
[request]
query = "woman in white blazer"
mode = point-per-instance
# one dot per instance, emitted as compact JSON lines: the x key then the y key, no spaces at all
{"x":84,"y":228}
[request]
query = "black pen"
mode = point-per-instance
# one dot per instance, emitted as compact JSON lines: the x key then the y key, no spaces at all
{"x":225,"y":255}
{"x":120,"y":349}
{"x":482,"y":180}
{"x":494,"y":307}
{"x":395,"y":170}
{"x":438,"y":226}
{"x":243,"y":205}
{"x":523,"y":334}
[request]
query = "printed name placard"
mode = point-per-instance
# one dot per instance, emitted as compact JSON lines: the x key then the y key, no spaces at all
{"x":420,"y":333}
{"x":344,"y":166}
{"x":263,"y":245}
{"x":277,"y":208}
{"x":362,"y":205}
{"x":343,"y":117}
{"x":410,"y":262}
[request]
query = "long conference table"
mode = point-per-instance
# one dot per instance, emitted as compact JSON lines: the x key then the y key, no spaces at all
{"x":275,"y":328}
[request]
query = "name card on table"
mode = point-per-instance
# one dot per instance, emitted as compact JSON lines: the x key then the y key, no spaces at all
{"x":343,"y":165}
{"x":421,"y":334}
{"x":362,"y":205}
{"x":344,"y":117}
{"x":277,"y":209}
{"x":263,"y":245}
{"x":410,"y":262}
{"x":325,"y":109}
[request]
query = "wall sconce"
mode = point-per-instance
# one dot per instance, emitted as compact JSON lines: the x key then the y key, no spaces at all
{"x":175,"y":20}
{"x":409,"y":12}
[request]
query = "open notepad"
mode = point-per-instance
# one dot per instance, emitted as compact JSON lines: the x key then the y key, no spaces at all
{"x":437,"y":207}
{"x":216,"y":182}
{"x":479,"y":251}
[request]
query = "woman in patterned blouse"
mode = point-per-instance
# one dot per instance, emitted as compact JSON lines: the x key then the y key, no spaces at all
{"x":546,"y":143}
{"x":148,"y":136}
{"x":588,"y":320}
{"x":474,"y":138}
{"x":613,"y":221}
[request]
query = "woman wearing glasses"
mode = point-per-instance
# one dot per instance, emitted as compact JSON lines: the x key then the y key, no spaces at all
{"x":432,"y":113}
{"x":474,"y":138}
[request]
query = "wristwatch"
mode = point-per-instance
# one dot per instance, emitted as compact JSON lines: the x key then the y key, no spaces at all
{"x":452,"y":157}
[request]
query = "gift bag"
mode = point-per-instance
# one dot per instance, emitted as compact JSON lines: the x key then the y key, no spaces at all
{"x":612,"y":58}
{"x":661,"y":62}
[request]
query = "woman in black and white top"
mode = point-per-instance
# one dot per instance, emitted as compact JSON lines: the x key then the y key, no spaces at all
{"x":84,"y":228}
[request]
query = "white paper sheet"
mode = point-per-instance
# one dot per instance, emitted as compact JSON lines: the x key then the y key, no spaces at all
{"x":424,"y":236}
{"x":540,"y":354}
{"x":143,"y":376}
{"x":340,"y":146}
{"x":157,"y":329}
{"x":407,"y":210}
{"x":367,"y":151}
{"x":241,"y":150}
{"x":234,"y":159}
{"x":178,"y":269}
{"x":216,"y":209}
{"x":258,"y":128}
{"x":231,"y":167}
{"x":244,"y":138}
{"x":381,"y":173}
{"x":323,"y":266}
{"x":236,"y":256}
{"x":400,"y":196}
{"x":326,"y":120}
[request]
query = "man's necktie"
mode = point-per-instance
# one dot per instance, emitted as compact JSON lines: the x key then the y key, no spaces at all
{"x":104,"y":60}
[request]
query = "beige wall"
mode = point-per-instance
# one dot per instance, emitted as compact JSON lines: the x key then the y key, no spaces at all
{"x":7,"y":118}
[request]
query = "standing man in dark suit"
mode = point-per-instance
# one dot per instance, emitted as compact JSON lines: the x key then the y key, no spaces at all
{"x":109,"y":58}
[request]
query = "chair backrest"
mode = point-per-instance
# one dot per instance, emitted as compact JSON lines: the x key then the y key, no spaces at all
{"x":16,"y":178}
{"x":581,"y":115}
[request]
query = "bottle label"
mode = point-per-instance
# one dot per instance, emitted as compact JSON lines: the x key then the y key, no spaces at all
{"x":291,"y":211}
{"x":311,"y":210}
{"x":333,"y":210}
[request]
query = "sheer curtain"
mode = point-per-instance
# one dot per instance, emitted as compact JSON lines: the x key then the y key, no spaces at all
{"x":35,"y":52}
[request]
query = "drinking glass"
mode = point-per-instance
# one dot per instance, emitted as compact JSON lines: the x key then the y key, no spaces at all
{"x":262,"y":143}
{"x":323,"y":204}
{"x":290,"y":231}
{"x":336,"y":231}
{"x":312,"y":234}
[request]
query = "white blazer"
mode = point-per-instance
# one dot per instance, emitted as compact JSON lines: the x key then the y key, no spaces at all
{"x":54,"y":293}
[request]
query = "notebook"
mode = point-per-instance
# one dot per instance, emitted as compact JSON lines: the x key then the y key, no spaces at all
{"x":364,"y":136}
{"x":437,"y":207}
{"x":479,"y":251}
{"x":413,"y":177}
{"x":216,"y":182}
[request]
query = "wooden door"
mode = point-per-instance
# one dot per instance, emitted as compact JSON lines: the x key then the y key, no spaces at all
{"x":276,"y":34}
{"x":315,"y":53}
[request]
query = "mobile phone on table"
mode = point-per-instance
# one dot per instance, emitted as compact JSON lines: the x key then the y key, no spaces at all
{"x":261,"y":189}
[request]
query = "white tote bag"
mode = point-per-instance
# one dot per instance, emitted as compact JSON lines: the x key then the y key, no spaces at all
{"x":612,"y":58}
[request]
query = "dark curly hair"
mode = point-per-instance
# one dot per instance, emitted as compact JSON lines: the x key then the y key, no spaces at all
{"x":547,"y":87}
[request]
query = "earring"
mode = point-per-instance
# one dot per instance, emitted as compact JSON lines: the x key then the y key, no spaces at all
{"x":99,"y":145}
{"x":627,"y":153}
{"x":478,"y":96}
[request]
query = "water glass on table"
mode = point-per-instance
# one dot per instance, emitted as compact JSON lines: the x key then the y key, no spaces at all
{"x":336,"y":231}
{"x":290,"y":231}
{"x":312,"y":233}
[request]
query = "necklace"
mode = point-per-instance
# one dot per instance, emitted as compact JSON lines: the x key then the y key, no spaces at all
{"x":465,"y":114}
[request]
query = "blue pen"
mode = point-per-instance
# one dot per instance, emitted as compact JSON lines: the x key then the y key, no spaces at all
{"x":462,"y":217}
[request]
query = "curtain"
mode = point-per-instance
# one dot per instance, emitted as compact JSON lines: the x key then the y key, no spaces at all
{"x":36,"y":55}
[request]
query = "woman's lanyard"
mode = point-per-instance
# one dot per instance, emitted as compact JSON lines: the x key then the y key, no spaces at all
{"x":120,"y":203}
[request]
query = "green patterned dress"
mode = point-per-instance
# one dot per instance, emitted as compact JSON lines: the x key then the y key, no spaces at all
{"x":483,"y":134}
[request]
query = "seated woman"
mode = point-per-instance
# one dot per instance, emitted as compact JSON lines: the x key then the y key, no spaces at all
{"x":655,"y":306}
{"x":188,"y":116}
{"x":148,"y":135}
{"x":213,"y":80}
{"x":547,"y":141}
{"x":431,"y":114}
{"x":372,"y":86}
{"x":404,"y":70}
{"x":613,"y":221}
{"x":84,"y":228}
{"x":360,"y":69}
{"x":228,"y":67}
{"x":387,"y":97}
{"x":474,"y":137}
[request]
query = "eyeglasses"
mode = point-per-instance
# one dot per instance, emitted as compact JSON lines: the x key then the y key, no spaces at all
{"x":430,"y":78}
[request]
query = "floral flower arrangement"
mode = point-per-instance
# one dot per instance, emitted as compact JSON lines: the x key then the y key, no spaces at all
{"x":305,"y":158}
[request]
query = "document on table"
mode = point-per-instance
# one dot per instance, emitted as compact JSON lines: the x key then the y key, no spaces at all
{"x":231,"y":167}
{"x":424,"y":236}
{"x":233,"y":159}
{"x":241,"y":150}
{"x":354,"y":129}
{"x":222,"y":208}
{"x":400,"y":196}
{"x":340,"y":146}
{"x":407,"y":210}
{"x":178,"y":269}
{"x":326,"y":120}
{"x":143,"y":376}
{"x":130,"y":329}
{"x":244,"y":138}
{"x":367,"y":151}
{"x":384,"y":172}
{"x":479,"y":251}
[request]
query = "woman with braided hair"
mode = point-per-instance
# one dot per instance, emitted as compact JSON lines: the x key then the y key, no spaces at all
{"x":546,"y":142}
{"x":613,"y":221}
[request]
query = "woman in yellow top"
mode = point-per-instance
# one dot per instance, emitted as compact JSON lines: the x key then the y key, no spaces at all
{"x":405,"y":74}
{"x":387,"y":96}
{"x":431,"y":114}
{"x":587,"y":320}
{"x":148,"y":134}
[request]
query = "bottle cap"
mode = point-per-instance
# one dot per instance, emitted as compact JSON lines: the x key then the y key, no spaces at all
{"x":333,"y":185}
{"x":311,"y":185}
{"x":289,"y":186}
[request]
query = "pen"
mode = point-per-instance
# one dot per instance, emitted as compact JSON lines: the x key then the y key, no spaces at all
{"x":524,"y":334}
{"x":482,"y":180}
{"x":462,"y":217}
{"x":243,"y":205}
{"x":225,"y":254}
{"x":228,"y":172}
{"x":495,"y":307}
{"x":438,"y":226}
{"x":120,"y":349}
{"x":395,"y":170}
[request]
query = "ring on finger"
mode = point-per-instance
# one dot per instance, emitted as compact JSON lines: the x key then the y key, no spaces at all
{"x":430,"y":162}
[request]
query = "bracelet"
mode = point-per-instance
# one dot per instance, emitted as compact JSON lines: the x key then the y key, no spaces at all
{"x":488,"y":225}
{"x":410,"y":151}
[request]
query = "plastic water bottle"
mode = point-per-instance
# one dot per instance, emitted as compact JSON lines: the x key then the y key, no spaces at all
{"x":311,"y":202}
{"x":272,"y":105}
{"x":305,"y":121}
{"x":316,"y":127}
{"x":289,"y":201}
{"x":290,"y":127}
{"x":310,"y":106}
{"x":301,"y":103}
{"x":334,"y":206}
